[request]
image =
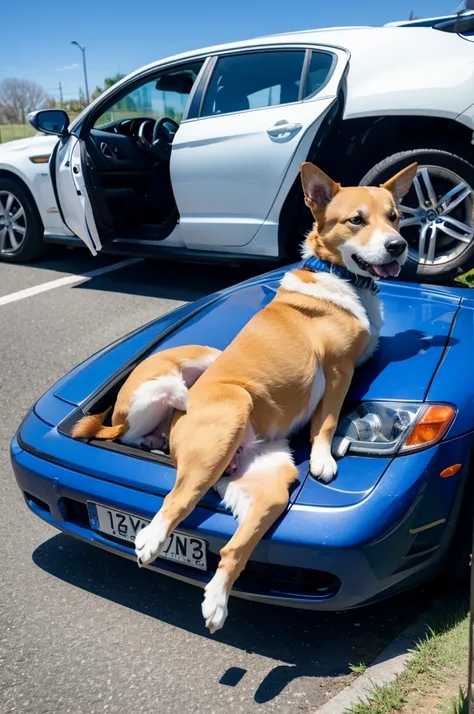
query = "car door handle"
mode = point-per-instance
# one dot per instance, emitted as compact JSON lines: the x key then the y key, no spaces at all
{"x":108,"y":152}
{"x":283,"y":127}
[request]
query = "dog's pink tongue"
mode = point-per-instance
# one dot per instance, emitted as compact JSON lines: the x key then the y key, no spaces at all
{"x":391,"y":269}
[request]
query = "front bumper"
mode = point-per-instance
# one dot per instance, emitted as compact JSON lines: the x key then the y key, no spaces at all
{"x":317,"y":557}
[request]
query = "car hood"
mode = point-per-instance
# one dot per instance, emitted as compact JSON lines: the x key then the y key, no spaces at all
{"x":418,"y":321}
{"x":34,"y":144}
{"x":417,"y":324}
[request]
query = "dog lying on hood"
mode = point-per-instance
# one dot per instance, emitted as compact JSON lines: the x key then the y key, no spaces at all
{"x":291,"y":364}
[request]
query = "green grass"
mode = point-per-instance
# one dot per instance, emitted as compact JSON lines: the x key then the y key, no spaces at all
{"x":459,"y":705}
{"x":10,"y":132}
{"x":466,"y":279}
{"x":435,"y":678}
{"x":358,"y":668}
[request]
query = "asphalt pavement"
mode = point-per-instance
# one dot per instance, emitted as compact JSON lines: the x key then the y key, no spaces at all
{"x":83,"y":631}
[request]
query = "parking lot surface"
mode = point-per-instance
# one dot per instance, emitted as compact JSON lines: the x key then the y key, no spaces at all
{"x":83,"y":631}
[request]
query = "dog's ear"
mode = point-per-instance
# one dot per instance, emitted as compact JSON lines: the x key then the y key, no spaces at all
{"x":399,"y":185}
{"x":319,"y":189}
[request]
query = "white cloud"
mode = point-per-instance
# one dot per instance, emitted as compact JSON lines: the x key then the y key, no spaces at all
{"x":74,"y":65}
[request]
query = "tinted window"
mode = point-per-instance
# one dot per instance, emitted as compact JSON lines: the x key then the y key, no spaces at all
{"x":254,"y":80}
{"x":319,"y":68}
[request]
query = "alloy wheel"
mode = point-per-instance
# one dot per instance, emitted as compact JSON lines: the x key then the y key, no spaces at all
{"x":437,"y":216}
{"x":12,"y":222}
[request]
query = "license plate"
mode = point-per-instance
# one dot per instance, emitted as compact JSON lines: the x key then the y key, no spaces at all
{"x":180,"y":547}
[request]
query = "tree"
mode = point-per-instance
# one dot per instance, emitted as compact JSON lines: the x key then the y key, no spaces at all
{"x":18,"y":97}
{"x":97,"y":92}
{"x":108,"y":82}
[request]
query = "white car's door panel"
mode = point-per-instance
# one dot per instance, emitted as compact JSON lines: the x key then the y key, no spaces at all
{"x":72,"y":193}
{"x":227,"y":170}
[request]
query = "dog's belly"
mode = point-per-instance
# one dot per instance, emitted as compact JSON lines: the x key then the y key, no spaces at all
{"x":288,"y":423}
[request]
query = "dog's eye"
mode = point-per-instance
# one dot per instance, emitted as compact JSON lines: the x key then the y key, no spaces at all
{"x":356,"y":220}
{"x":393,"y":216}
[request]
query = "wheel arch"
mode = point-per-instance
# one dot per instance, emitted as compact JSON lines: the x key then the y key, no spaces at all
{"x":365,"y":142}
{"x":351,"y":147}
{"x":20,"y":178}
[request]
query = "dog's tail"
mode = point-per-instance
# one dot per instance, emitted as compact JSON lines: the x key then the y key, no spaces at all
{"x":92,"y":425}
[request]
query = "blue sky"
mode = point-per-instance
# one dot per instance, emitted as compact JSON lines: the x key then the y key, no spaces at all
{"x":122,"y":35}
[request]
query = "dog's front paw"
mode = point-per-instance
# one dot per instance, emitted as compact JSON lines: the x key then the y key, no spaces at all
{"x":214,"y":605}
{"x":150,"y":540}
{"x":322,"y":464}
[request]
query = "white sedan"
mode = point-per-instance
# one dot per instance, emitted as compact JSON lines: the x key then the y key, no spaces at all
{"x":198,"y":155}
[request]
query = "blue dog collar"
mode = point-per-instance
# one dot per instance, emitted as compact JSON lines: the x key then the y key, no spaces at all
{"x":359,"y":281}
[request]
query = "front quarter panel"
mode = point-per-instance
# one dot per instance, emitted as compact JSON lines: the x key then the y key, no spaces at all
{"x":15,"y":159}
{"x":454,"y":380}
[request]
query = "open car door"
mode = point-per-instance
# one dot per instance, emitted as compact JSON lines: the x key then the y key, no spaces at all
{"x":71,"y":173}
{"x":78,"y":191}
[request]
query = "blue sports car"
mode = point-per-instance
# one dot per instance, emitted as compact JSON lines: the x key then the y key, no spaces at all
{"x":392,"y":518}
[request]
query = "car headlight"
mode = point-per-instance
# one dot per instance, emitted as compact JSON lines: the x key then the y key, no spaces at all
{"x":385,"y":428}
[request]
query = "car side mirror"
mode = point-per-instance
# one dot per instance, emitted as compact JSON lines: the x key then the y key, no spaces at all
{"x":50,"y":121}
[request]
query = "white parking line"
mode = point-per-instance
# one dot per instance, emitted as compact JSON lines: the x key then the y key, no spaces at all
{"x":68,"y":280}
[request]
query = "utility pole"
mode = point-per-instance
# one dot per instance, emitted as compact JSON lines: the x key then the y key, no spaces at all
{"x":83,"y":50}
{"x":61,"y":92}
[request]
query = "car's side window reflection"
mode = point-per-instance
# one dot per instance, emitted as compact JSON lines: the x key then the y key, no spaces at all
{"x":254,"y":80}
{"x":163,"y":96}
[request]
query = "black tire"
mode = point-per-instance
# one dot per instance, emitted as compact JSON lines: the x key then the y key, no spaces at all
{"x":445,"y":271}
{"x":32,"y":245}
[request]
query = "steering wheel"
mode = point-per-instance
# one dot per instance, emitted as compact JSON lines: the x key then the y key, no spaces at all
{"x":145,"y":133}
{"x":163,"y":135}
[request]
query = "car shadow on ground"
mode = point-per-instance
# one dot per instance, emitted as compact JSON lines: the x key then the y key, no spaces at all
{"x":148,"y":277}
{"x":62,"y":259}
{"x":308,"y":643}
{"x":170,"y":279}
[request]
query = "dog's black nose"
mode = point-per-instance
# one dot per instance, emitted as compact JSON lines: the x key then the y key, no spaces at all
{"x":395,"y":246}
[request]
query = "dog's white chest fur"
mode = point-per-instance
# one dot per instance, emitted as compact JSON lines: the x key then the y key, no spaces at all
{"x":361,"y":302}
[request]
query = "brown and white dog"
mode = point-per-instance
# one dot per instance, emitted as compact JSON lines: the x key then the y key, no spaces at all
{"x":258,"y":394}
{"x":147,"y":400}
{"x":291,"y":364}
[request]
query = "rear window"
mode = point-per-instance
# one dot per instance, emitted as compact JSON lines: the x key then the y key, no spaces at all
{"x":319,"y":70}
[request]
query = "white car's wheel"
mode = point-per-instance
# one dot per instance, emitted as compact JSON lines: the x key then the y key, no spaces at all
{"x":437,"y":213}
{"x":21,"y":229}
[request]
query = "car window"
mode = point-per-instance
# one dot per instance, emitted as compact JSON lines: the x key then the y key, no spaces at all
{"x":318,"y":72}
{"x":254,"y":80}
{"x":163,"y":96}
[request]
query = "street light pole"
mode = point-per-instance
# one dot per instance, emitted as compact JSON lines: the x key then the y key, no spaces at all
{"x":83,"y":50}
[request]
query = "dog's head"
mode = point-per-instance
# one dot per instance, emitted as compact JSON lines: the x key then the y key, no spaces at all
{"x":357,"y":227}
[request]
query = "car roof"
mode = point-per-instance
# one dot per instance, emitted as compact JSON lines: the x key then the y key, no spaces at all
{"x":420,"y":21}
{"x":429,"y":21}
{"x":350,"y":38}
{"x":358,"y":41}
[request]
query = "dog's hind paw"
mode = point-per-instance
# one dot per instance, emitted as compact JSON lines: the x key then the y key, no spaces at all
{"x":153,"y":442}
{"x":214,"y":605}
{"x":322,"y":465}
{"x":150,"y":540}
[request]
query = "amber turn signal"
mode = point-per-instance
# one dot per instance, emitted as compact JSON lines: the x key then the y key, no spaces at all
{"x":40,"y":159}
{"x":450,"y":471}
{"x":431,"y":427}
